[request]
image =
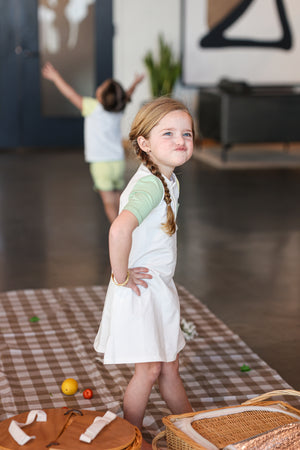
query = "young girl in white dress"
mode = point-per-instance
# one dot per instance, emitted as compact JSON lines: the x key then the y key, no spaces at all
{"x":141,"y":317}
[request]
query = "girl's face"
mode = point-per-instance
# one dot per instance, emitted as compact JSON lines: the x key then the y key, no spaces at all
{"x":170,"y":143}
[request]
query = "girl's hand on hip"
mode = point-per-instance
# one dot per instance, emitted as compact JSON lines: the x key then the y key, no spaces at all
{"x":137,"y":276}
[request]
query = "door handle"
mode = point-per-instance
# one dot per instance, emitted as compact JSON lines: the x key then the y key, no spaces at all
{"x":26,"y":52}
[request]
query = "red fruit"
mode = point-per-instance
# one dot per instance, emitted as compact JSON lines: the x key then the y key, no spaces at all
{"x":88,"y":393}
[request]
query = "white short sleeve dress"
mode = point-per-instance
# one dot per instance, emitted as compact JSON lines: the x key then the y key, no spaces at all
{"x":145,"y":328}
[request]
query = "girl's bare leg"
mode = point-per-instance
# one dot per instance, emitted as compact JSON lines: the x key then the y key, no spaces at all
{"x":110,"y":201}
{"x":137,"y":394}
{"x":172,"y":389}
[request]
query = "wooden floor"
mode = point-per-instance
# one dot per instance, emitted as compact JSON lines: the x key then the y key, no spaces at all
{"x":238,"y":241}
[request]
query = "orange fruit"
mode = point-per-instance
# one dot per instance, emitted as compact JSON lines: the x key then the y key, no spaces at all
{"x":69,"y":386}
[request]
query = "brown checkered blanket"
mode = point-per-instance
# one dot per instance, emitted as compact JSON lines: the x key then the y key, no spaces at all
{"x":36,"y":356}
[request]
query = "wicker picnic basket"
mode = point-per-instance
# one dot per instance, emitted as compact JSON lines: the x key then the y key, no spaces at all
{"x":219,"y":428}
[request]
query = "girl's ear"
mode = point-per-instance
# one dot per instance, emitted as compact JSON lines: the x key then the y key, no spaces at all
{"x":143,"y":144}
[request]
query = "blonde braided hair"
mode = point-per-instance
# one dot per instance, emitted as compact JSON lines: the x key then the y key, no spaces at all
{"x":146,"y":119}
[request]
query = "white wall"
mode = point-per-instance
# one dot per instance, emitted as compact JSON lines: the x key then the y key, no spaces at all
{"x":137,"y":26}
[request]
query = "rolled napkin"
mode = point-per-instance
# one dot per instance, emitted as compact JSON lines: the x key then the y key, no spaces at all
{"x":15,"y":428}
{"x":99,"y":423}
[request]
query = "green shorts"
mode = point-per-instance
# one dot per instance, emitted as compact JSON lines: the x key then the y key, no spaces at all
{"x":108,"y":175}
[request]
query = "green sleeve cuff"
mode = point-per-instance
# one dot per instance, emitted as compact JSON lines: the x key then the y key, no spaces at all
{"x":145,"y":196}
{"x":88,"y":105}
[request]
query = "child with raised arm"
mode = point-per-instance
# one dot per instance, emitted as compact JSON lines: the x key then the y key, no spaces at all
{"x":141,"y":317}
{"x":102,"y":134}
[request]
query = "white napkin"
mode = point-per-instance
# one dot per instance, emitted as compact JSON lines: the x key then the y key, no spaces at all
{"x":99,"y":423}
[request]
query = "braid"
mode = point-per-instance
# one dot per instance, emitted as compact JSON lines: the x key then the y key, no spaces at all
{"x":170,"y":225}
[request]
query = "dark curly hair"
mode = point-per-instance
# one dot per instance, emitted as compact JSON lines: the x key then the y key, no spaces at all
{"x":114,"y":97}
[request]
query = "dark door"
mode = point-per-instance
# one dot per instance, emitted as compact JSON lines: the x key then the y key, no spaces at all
{"x":22,"y":123}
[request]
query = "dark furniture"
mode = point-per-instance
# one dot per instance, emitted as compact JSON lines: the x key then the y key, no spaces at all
{"x":258,"y":115}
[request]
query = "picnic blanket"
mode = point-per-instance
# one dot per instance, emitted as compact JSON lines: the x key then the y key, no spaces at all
{"x":47,"y":336}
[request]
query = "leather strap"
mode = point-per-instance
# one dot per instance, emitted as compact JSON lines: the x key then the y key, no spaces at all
{"x":15,"y":428}
{"x":99,"y":423}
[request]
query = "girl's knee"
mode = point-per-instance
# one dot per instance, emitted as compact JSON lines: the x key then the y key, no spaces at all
{"x":149,"y":370}
{"x":170,"y":368}
{"x":154,"y":371}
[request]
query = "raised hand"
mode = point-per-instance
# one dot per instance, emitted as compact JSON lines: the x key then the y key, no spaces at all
{"x":49,"y":72}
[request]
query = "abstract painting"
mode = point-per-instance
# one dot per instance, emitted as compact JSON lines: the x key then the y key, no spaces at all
{"x":256,"y":41}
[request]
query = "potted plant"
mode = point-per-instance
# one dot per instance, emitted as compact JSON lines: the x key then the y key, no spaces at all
{"x":164,"y":71}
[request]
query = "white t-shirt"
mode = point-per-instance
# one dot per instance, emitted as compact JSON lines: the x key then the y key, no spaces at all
{"x":102,"y":132}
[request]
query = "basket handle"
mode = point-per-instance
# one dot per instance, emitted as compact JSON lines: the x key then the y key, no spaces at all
{"x":160,"y":435}
{"x":272,"y":394}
